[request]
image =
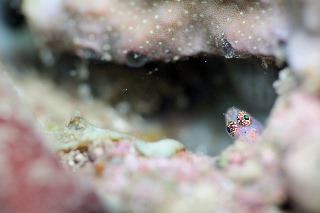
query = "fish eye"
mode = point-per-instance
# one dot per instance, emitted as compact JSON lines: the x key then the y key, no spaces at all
{"x":244,"y":119}
{"x":231,"y":127}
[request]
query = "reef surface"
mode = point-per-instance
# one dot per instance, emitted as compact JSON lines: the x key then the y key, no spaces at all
{"x":136,"y":31}
{"x":57,"y":169}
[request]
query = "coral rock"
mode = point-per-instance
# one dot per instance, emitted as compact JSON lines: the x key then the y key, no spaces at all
{"x":294,"y":128}
{"x":32,"y":179}
{"x":136,"y":31}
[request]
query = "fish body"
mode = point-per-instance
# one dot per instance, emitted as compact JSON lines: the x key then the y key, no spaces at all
{"x":240,"y":125}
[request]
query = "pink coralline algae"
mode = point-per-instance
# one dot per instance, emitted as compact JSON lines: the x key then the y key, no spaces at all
{"x":242,"y":179}
{"x":137,"y":31}
{"x":32,"y":179}
{"x":299,"y":146}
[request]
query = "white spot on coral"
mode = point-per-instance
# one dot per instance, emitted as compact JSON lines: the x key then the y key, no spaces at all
{"x":109,"y":28}
{"x":106,"y":47}
{"x":176,"y":58}
{"x":106,"y":57}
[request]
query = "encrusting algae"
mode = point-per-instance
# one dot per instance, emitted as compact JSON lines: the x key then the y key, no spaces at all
{"x":80,"y":135}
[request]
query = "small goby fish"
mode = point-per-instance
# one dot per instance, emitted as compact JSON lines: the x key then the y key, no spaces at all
{"x":242,"y":126}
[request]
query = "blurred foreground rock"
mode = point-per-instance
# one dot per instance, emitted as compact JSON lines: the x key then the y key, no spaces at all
{"x":32,"y":178}
{"x":294,"y":129}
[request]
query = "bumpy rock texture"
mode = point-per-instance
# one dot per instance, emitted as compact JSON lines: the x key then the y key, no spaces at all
{"x":32,"y":179}
{"x":246,"y":177}
{"x":304,"y":43}
{"x":281,"y":168}
{"x":299,"y":149}
{"x":136,"y":31}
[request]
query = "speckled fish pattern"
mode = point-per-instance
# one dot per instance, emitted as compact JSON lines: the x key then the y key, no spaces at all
{"x":240,"y":125}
